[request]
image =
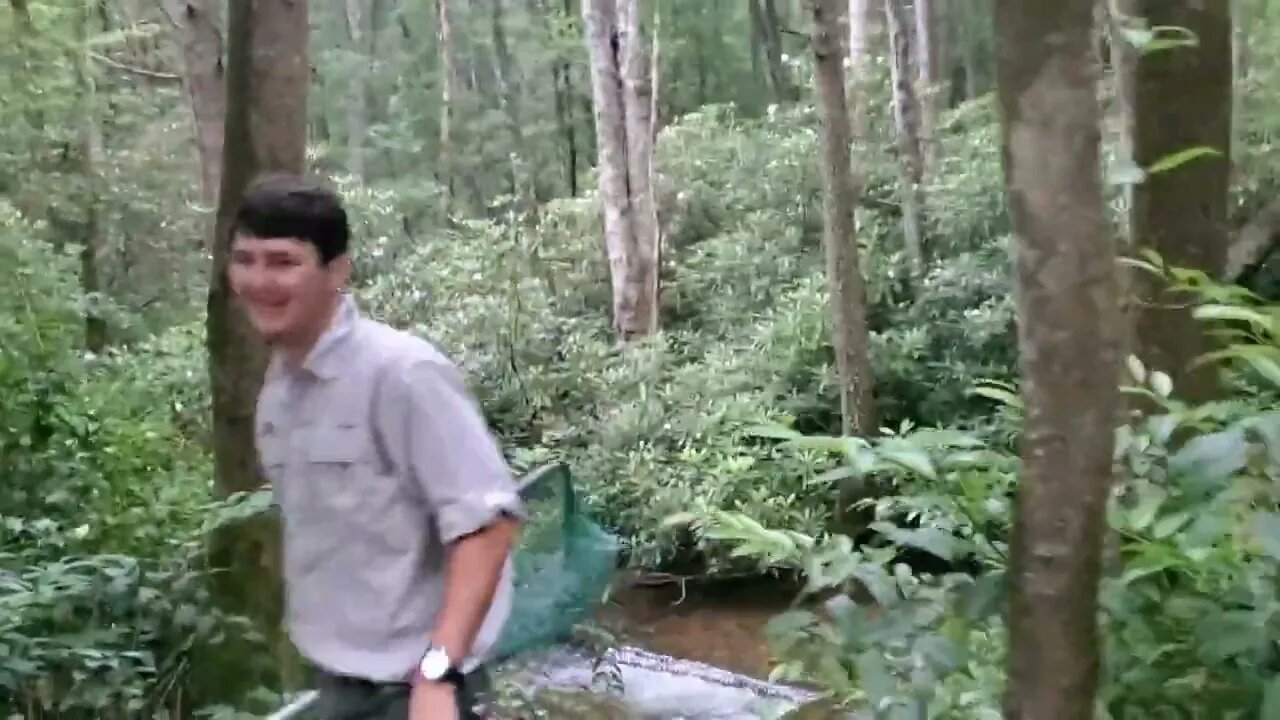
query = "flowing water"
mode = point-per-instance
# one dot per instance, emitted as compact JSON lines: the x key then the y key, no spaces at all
{"x":693,"y":651}
{"x":721,"y":624}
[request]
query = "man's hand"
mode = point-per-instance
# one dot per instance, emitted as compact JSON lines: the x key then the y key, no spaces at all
{"x":433,"y":701}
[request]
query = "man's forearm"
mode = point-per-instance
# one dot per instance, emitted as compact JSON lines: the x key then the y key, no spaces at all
{"x":472,"y":572}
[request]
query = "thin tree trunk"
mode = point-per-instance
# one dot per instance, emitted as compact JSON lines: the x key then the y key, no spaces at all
{"x":95,"y":326}
{"x":448,"y":87}
{"x":509,"y":102}
{"x":841,"y":190}
{"x":926,"y":78}
{"x":906,"y":114}
{"x":1181,"y":99}
{"x":1068,"y":337}
{"x":356,"y":16}
{"x":764,"y":21}
{"x":200,"y":27}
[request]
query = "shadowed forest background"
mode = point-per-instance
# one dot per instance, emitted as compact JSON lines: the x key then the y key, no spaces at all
{"x":959,"y":317}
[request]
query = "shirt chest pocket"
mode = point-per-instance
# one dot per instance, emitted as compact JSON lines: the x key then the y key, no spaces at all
{"x":341,"y":473}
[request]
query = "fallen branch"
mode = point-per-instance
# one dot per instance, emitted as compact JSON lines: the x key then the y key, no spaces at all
{"x":153,"y":74}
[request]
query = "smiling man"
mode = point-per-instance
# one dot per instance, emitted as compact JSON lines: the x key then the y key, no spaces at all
{"x":399,"y":510}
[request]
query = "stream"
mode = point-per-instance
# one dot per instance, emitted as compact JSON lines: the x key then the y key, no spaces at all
{"x":678,"y":653}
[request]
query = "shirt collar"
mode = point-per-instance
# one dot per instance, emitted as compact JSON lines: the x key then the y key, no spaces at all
{"x":326,"y":358}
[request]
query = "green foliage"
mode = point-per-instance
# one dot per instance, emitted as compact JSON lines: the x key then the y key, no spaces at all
{"x":1190,"y":587}
{"x":104,"y":604}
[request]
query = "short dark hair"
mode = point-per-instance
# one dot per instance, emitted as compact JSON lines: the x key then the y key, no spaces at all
{"x":294,"y":206}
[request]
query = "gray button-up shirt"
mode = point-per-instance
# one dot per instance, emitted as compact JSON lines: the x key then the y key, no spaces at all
{"x":378,"y":458}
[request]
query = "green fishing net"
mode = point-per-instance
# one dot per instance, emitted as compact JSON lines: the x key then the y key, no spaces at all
{"x":563,"y":565}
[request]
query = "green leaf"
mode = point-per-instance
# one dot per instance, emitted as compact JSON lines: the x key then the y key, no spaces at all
{"x":1000,"y":395}
{"x":1229,"y":634}
{"x":778,"y":432}
{"x":1182,"y":157}
{"x":1150,"y":497}
{"x":875,"y":677}
{"x":983,"y":597}
{"x":936,"y":542}
{"x":909,"y":457}
{"x":1265,"y":527}
{"x":1234,"y":313}
{"x":1211,"y":458}
{"x":1169,"y":525}
{"x":1270,"y":709}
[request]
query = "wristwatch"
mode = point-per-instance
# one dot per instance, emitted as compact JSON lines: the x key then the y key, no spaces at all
{"x":436,"y":666}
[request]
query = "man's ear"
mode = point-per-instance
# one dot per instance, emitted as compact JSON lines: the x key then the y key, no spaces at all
{"x":340,"y":271}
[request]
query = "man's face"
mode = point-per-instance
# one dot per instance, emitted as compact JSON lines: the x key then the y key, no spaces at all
{"x":287,"y":291}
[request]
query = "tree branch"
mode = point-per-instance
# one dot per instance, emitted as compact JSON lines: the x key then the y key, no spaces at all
{"x":153,"y":74}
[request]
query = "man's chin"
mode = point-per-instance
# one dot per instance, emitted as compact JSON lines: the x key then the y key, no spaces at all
{"x":270,"y":333}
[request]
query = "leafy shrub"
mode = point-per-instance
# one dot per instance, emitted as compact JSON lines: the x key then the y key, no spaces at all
{"x":1193,"y":559}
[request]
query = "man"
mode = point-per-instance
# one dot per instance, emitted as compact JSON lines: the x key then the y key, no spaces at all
{"x":399,"y":510}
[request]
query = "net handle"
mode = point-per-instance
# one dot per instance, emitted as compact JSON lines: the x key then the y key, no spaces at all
{"x":538,"y":479}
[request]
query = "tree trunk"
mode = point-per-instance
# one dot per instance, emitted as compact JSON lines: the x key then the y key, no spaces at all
{"x":199,"y":25}
{"x":522,"y":186}
{"x":357,"y":17}
{"x":448,"y":81}
{"x":906,"y":115}
{"x":764,"y":22}
{"x":840,"y":195}
{"x":927,"y":87}
{"x":622,"y":94}
{"x":1181,"y":99}
{"x":95,"y":325}
{"x":866,"y":38}
{"x":268,"y":77}
{"x":1068,"y":337}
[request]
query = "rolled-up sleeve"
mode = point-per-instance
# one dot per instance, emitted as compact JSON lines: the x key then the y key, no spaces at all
{"x":441,"y":442}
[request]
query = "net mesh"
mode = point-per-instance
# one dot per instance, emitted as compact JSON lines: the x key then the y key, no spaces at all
{"x":563,"y":565}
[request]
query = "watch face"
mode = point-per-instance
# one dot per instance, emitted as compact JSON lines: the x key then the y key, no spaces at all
{"x":434,"y":664}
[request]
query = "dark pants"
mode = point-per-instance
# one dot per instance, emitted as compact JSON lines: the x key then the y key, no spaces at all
{"x":344,"y":698}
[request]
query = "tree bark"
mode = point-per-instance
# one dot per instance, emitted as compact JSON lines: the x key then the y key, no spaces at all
{"x":448,"y":82}
{"x":1068,"y":336}
{"x":357,"y":24}
{"x":200,"y":29}
{"x":841,"y":189}
{"x":764,"y":22}
{"x":906,"y":115}
{"x":926,"y":54}
{"x":1181,"y":98}
{"x":622,"y":95}
{"x":95,"y":325}
{"x":268,"y":77}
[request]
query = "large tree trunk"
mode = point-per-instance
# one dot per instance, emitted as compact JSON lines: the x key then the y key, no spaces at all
{"x":1181,"y":99}
{"x":199,"y":25}
{"x":1068,"y":336}
{"x":840,"y":195}
{"x":266,"y":129}
{"x":621,"y":90}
